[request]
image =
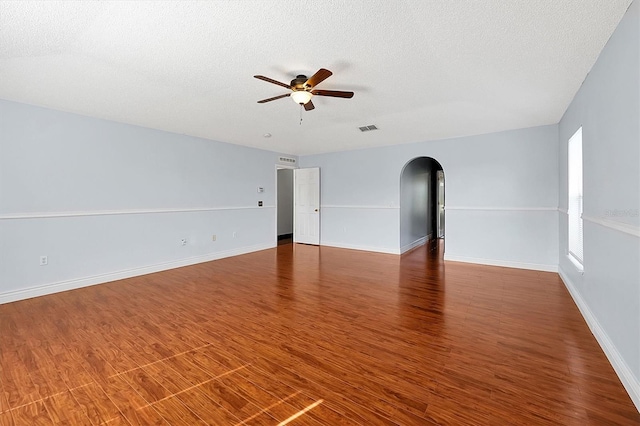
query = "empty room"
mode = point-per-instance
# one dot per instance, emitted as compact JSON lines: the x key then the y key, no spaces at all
{"x":442,"y":228}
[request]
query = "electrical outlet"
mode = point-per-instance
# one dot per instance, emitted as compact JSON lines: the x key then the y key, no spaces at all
{"x":183,"y":241}
{"x":213,"y":238}
{"x":44,"y":260}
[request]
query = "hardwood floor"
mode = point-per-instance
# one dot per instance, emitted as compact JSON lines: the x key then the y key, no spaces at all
{"x":303,"y":335}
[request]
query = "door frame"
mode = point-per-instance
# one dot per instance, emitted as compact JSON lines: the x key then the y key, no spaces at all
{"x":440,"y":203}
{"x":275,"y":225}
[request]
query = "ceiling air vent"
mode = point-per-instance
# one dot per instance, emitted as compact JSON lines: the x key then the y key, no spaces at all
{"x":368,"y":128}
{"x":287,"y":160}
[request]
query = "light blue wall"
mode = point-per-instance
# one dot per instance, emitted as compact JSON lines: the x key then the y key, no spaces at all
{"x":607,"y":106}
{"x":105,"y":200}
{"x":501,"y":196}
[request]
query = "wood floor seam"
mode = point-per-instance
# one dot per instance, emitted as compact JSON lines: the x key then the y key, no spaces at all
{"x":158,"y":361}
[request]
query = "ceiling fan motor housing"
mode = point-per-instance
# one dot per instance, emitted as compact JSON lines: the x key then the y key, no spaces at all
{"x":298,"y":83}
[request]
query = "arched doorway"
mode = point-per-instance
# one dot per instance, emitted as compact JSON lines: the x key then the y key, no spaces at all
{"x":421,"y":203}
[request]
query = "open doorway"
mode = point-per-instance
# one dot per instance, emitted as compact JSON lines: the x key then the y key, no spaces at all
{"x":422,"y":218}
{"x":284,"y":205}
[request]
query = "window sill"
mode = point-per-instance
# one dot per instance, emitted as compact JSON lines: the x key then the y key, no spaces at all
{"x":579,"y":266}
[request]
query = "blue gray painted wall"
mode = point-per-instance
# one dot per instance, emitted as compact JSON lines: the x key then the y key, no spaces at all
{"x":607,"y":106}
{"x":501,"y":196}
{"x":105,"y":200}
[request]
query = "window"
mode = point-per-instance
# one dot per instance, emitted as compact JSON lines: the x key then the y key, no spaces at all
{"x":575,"y":196}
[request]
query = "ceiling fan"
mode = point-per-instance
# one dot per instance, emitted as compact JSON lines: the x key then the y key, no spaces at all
{"x":303,"y":89}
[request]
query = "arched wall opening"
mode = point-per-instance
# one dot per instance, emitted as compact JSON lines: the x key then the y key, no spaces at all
{"x":421,"y":203}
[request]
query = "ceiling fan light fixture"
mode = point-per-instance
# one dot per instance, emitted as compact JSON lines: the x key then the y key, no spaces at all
{"x":301,"y":96}
{"x":302,"y":89}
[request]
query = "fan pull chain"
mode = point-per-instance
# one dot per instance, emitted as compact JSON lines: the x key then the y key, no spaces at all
{"x":301,"y":114}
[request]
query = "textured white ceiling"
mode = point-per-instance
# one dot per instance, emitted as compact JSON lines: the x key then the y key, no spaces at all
{"x":420,"y":69}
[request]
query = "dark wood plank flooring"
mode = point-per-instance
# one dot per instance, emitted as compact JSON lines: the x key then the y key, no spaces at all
{"x":306,"y":335}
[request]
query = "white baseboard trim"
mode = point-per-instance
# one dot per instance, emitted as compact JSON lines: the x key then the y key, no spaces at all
{"x":503,"y":263}
{"x":363,"y":248}
{"x":628,"y":379}
{"x":417,"y":243}
{"x":15,"y":295}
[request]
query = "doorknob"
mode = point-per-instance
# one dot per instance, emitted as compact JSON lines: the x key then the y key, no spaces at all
{"x":316,"y":210}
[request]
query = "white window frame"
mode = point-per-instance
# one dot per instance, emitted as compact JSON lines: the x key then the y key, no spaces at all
{"x":575,"y":199}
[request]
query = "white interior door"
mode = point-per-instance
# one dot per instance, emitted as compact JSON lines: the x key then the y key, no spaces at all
{"x":306,"y":206}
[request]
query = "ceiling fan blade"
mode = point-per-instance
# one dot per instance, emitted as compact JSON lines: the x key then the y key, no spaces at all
{"x":309,"y":106}
{"x":270,"y":80}
{"x":333,"y":93}
{"x":318,"y":77}
{"x":274,"y":98}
